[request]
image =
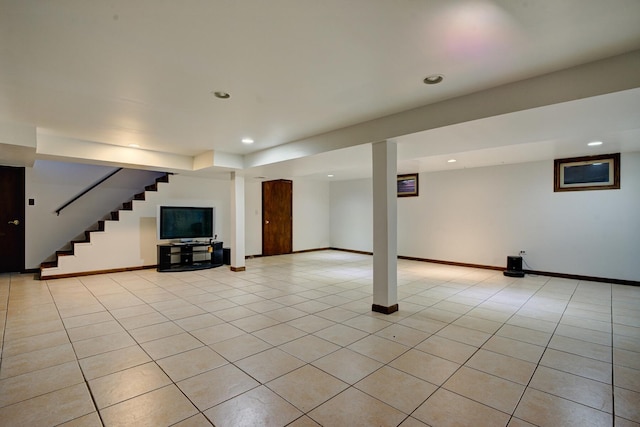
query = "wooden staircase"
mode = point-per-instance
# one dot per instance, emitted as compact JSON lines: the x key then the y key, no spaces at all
{"x":99,"y":227}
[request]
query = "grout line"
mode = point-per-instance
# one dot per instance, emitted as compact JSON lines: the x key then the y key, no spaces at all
{"x":480,"y":347}
{"x":545,"y":347}
{"x":6,"y":319}
{"x":613,"y":378}
{"x":86,"y":382}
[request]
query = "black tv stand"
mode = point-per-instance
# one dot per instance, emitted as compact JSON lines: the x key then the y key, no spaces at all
{"x":190,"y":256}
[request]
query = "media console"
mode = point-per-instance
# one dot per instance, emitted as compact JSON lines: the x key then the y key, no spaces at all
{"x":173,"y":257}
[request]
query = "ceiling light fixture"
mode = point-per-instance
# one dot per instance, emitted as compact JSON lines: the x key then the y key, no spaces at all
{"x":433,"y":79}
{"x":451,"y":161}
{"x":247,"y":141}
{"x":330,"y":176}
{"x":594,"y":143}
{"x":134,"y":146}
{"x":221,"y":94}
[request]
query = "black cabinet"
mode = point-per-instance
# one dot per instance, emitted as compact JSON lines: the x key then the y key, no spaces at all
{"x":189,"y":256}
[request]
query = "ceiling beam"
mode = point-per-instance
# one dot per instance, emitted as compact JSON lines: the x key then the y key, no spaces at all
{"x":613,"y":74}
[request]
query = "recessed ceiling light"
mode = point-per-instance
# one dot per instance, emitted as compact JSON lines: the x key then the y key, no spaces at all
{"x":594,"y":143}
{"x":134,"y":146}
{"x":247,"y":141}
{"x":221,"y":94}
{"x":451,"y":161}
{"x":330,"y":176}
{"x":433,"y":79}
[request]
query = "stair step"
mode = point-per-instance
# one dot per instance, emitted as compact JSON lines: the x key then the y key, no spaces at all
{"x":115,"y":216}
{"x":163,"y":178}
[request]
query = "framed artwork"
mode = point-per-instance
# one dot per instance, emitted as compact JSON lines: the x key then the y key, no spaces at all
{"x":408,"y":185}
{"x":587,"y":173}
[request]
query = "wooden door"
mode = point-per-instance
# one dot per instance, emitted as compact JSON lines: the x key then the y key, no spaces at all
{"x":277,"y":217}
{"x":11,"y":219}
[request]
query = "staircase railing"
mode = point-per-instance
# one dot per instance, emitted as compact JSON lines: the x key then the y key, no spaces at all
{"x":86,"y":190}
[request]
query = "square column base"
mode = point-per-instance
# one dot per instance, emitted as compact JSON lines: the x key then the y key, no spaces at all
{"x":384,"y":310}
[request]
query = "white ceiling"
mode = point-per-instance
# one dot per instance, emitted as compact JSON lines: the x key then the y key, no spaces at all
{"x":84,"y":74}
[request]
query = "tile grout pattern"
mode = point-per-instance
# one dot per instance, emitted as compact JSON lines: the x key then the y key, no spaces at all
{"x":293,"y":341}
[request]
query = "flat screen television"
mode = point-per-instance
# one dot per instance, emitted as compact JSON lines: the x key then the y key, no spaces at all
{"x":185,"y":223}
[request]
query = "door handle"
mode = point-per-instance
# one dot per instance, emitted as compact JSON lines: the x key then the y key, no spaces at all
{"x":266,"y":222}
{"x":15,"y":222}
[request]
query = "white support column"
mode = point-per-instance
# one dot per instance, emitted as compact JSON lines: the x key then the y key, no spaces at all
{"x":385,"y":227}
{"x":237,"y":222}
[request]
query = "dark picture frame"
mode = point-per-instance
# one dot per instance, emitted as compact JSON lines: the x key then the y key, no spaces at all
{"x":408,"y":185}
{"x":601,"y":172}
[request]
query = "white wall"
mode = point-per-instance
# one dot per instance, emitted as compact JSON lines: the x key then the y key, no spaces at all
{"x":476,"y":216}
{"x":310,"y":216}
{"x":311,"y":224}
{"x":482,"y":215}
{"x":351,"y":215}
{"x":185,"y":190}
{"x":253,"y":217}
{"x":52,"y":184}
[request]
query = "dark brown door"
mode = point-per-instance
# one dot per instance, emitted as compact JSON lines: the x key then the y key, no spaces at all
{"x":277,"y":217}
{"x":11,"y":219}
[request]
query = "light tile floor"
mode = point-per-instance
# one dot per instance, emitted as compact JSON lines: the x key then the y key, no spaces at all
{"x":293,"y":341}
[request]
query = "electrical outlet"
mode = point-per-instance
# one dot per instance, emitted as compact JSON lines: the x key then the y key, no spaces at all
{"x":523,"y":252}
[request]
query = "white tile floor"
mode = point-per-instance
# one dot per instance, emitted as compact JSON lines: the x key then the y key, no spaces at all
{"x":293,"y":341}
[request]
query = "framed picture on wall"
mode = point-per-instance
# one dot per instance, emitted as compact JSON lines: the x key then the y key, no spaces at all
{"x":408,"y":185}
{"x":600,"y":172}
